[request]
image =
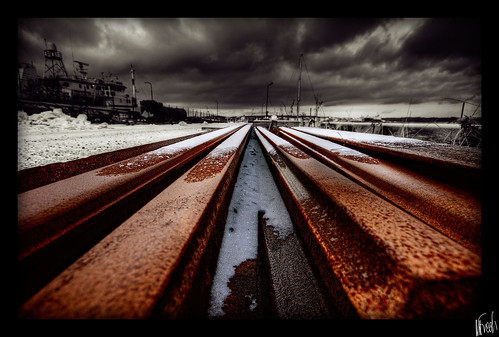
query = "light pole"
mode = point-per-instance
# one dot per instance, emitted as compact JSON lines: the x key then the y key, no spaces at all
{"x":267,"y":101}
{"x":151,"y":89}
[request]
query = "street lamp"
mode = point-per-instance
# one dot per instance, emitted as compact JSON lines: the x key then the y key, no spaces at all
{"x":267,"y":101}
{"x":151,"y":89}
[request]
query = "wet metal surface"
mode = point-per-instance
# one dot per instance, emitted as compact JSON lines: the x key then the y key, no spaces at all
{"x":386,"y":260}
{"x":444,"y":155}
{"x":129,"y":272}
{"x":48,"y":212}
{"x":139,"y":163}
{"x":364,"y":237}
{"x":211,"y":165}
{"x":60,"y":221}
{"x":295,"y":291}
{"x":451,"y":210}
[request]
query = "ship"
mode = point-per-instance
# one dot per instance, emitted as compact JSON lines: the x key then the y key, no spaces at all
{"x":102,"y":99}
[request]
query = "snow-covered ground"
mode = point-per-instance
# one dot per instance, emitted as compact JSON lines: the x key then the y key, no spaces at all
{"x":254,"y":191}
{"x":52,"y":136}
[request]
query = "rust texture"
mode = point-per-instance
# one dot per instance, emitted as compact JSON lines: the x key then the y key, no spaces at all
{"x":155,"y":252}
{"x":210,"y":166}
{"x":138,"y":163}
{"x":49,"y":211}
{"x":383,"y":260}
{"x":295,"y":291}
{"x":59,"y":221}
{"x":460,"y":158}
{"x":448,"y":208}
{"x":372,"y":238}
{"x":38,"y":176}
{"x":247,"y":297}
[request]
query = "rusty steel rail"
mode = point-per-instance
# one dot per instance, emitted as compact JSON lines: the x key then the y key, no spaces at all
{"x":451,"y":210}
{"x":461,"y":158}
{"x":34,"y":177}
{"x":455,"y":165}
{"x":59,"y":221}
{"x":377,"y":260}
{"x":148,"y":266}
{"x":140,"y":238}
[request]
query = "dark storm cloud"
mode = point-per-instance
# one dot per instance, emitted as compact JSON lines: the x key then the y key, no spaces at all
{"x":32,"y":32}
{"x":454,"y":43}
{"x":442,"y":38}
{"x":196,"y":62}
{"x":323,"y":33}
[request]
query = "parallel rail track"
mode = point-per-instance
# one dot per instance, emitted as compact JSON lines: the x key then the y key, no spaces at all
{"x":374,"y":235}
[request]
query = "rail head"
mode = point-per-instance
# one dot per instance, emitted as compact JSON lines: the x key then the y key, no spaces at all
{"x":384,"y":258}
{"x":148,"y":264}
{"x":59,"y":221}
{"x":445,"y":156}
{"x":447,"y":207}
{"x":59,"y":206}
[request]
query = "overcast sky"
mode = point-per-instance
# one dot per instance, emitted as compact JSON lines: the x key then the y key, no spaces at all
{"x":348,"y":63}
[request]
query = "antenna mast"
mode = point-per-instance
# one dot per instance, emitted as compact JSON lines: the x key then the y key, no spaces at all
{"x":54,"y":66}
{"x":299,"y":89}
{"x":134,"y":94}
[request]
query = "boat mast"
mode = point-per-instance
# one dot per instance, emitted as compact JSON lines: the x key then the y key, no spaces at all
{"x":134,"y":97}
{"x":299,"y":89}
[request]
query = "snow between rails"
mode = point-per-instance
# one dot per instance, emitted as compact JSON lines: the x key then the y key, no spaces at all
{"x":254,"y":190}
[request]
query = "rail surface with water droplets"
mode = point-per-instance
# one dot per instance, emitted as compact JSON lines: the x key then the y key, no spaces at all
{"x":372,"y":237}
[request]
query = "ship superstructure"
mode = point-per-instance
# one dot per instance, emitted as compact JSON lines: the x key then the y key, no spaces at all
{"x":105,"y":97}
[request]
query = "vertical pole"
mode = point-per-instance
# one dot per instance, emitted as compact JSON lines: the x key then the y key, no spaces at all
{"x":151,"y":89}
{"x":299,"y":89}
{"x":134,"y":97}
{"x":267,"y":100}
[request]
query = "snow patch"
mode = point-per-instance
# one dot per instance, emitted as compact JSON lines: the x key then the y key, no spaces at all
{"x":55,"y":120}
{"x":253,"y":304}
{"x":254,"y":191}
{"x":329,"y":145}
{"x":362,"y":137}
{"x":52,"y":137}
{"x":192,"y":142}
